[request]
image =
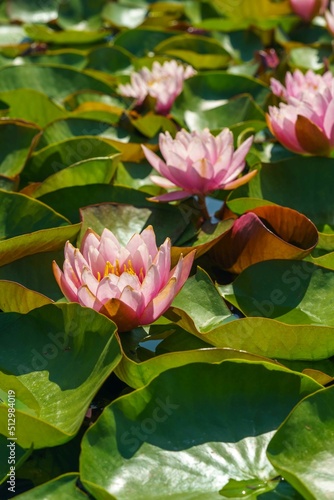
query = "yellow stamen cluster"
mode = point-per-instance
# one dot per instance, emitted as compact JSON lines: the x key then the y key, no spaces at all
{"x":116,"y":269}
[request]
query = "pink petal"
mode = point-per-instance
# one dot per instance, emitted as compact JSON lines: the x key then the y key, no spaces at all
{"x":162,"y":182}
{"x":284,"y":130}
{"x":165,"y":297}
{"x":108,"y":289}
{"x":134,"y":299}
{"x":111,"y":250}
{"x":90,"y":239}
{"x":86,"y":298}
{"x":70,"y":275}
{"x":96,"y":261}
{"x":148,"y":235}
{"x":223,"y":162}
{"x":89,"y":280}
{"x":305,"y":9}
{"x":182,"y":272}
{"x":277,"y":88}
{"x":329,"y":122}
{"x":172,"y":196}
{"x":240,"y":181}
{"x":163,"y":261}
{"x":183,"y":177}
{"x":151,"y":285}
{"x":159,"y":304}
{"x":238,"y":160}
{"x":79,"y":263}
{"x":139,"y":254}
{"x":127,"y":279}
{"x":71,"y":255}
{"x":156,"y":162}
{"x":158,"y":273}
{"x":67,"y":286}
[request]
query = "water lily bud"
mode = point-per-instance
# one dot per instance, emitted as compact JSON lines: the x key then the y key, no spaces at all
{"x":308,"y":9}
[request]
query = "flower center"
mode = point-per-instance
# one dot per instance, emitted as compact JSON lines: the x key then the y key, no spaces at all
{"x":117,"y":269}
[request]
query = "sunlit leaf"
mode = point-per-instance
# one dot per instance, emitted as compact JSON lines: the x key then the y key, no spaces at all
{"x":66,"y":354}
{"x":188,"y":435}
{"x":26,"y":135}
{"x":302,"y":448}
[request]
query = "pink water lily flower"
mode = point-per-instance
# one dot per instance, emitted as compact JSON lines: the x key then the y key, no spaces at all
{"x":164,"y":82}
{"x":133,"y":284}
{"x":308,"y":9}
{"x":197,"y":163}
{"x":299,"y":85}
{"x":305,"y":126}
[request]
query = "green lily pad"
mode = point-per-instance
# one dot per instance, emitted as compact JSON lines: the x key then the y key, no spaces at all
{"x":240,"y":111}
{"x":208,"y":236}
{"x":136,"y":371}
{"x":198,"y":51}
{"x":20,"y":214}
{"x":126,"y":15}
{"x":67,"y":37}
{"x":134,"y":175}
{"x":210,"y":310}
{"x":21,"y":455}
{"x":12,"y":160}
{"x":61,"y":130}
{"x":64,"y":487}
{"x":126,"y":220}
{"x":58,"y":156}
{"x":70,"y":200}
{"x":302,"y":183}
{"x":185,"y":436}
{"x":80,"y":13}
{"x":263,"y":336}
{"x":55,"y":81}
{"x":78,"y":100}
{"x":141,"y":41}
{"x":326,"y":260}
{"x":83,"y":173}
{"x":11,"y":35}
{"x":207,"y":91}
{"x":302,"y":448}
{"x":66,"y":354}
{"x":8,"y":184}
{"x":33,"y":106}
{"x":294,"y":292}
{"x":306,"y":58}
{"x":35,"y":271}
{"x":61,"y":56}
{"x":33,"y":11}
{"x":263,"y":8}
{"x":112,"y":60}
{"x":16,"y":298}
{"x":44,"y":240}
{"x":151,"y":124}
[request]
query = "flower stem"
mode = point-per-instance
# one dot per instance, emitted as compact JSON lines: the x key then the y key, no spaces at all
{"x":202,"y":206}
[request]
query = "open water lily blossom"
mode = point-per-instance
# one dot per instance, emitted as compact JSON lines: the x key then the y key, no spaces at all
{"x":299,"y":85}
{"x":132,"y":285}
{"x":305,"y":126}
{"x":164,"y":82}
{"x":308,"y":9}
{"x":197,"y":163}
